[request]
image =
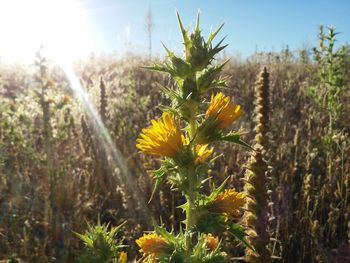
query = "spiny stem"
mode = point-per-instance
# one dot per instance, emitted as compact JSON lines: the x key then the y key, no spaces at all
{"x":189,"y":216}
{"x":190,"y":197}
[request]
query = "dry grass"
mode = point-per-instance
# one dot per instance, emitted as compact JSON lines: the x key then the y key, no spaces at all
{"x":309,"y":192}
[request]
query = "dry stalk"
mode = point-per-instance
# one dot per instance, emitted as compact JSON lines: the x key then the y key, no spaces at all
{"x":255,"y":216}
{"x":103,"y":100}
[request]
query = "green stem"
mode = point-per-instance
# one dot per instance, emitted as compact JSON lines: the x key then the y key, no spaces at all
{"x":190,"y":198}
{"x":329,"y":153}
{"x":189,"y":218}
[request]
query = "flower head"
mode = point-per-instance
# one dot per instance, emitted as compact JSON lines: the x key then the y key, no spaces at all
{"x":211,"y":242}
{"x":162,"y":138}
{"x":229,"y":202}
{"x":202,"y":153}
{"x":226,"y":111}
{"x":153,"y":244}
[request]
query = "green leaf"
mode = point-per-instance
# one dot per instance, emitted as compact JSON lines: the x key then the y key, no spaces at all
{"x":172,"y":94}
{"x":213,"y":35}
{"x":218,"y":190}
{"x":164,"y":233}
{"x":157,"y":67}
{"x":220,"y":83}
{"x":236,"y":138}
{"x":198,"y":30}
{"x":88,"y":242}
{"x":160,"y":178}
{"x":238,"y":231}
{"x":184,"y":206}
{"x":170,"y":53}
{"x":207,"y":78}
{"x":184,"y":32}
{"x":217,"y":48}
{"x":165,"y":108}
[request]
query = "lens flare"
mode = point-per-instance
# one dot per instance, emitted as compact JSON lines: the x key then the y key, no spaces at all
{"x":60,"y":26}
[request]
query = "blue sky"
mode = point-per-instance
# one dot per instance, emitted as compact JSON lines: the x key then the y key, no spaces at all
{"x":250,"y":24}
{"x":71,"y":29}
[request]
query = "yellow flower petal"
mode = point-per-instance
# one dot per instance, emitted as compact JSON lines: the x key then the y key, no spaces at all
{"x":229,"y":202}
{"x":162,"y":138}
{"x":152,"y":244}
{"x":203,"y":153}
{"x":123,"y":257}
{"x":211,"y":242}
{"x":226,"y":111}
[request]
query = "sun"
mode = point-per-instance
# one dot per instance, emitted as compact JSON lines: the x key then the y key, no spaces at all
{"x":60,"y":26}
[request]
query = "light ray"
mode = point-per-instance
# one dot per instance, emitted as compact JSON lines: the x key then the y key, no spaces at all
{"x":62,"y":28}
{"x":126,"y":178}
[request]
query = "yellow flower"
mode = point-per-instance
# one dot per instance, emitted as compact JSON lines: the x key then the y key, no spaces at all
{"x":226,"y":111}
{"x":229,"y":202}
{"x":211,"y":242}
{"x":162,"y":138}
{"x":201,"y":150}
{"x":202,"y":153}
{"x":153,"y":244}
{"x":123,"y":257}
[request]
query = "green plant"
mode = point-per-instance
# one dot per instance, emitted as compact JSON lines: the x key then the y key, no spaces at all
{"x":331,"y":84}
{"x":101,"y":244}
{"x":186,"y":151}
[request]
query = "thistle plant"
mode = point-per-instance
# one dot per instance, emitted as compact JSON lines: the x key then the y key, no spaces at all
{"x":182,"y":137}
{"x":101,"y":244}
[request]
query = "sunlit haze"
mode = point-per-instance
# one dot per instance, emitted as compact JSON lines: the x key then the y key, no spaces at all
{"x":59,"y":26}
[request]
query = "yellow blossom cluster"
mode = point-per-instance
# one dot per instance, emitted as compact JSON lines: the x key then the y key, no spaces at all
{"x":152,"y":244}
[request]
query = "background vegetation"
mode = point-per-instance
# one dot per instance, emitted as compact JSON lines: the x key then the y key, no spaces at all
{"x":56,"y":174}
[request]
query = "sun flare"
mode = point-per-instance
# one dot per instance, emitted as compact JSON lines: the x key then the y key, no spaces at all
{"x":60,"y":26}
